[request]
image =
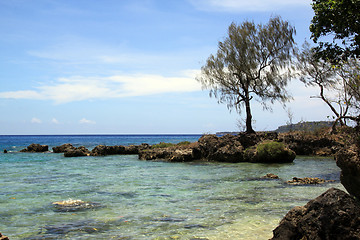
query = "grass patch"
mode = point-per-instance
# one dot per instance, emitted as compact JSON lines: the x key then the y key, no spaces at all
{"x":166,"y":145}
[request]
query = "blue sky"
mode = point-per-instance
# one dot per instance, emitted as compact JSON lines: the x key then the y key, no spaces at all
{"x":129,"y":66}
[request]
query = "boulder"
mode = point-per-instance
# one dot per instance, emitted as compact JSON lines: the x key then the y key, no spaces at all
{"x":332,"y":215}
{"x":2,"y":237}
{"x":63,"y":148}
{"x":349,"y":161}
{"x":34,"y":147}
{"x":77,"y":152}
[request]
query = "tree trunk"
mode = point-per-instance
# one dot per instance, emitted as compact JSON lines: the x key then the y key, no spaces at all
{"x":249,"y":128}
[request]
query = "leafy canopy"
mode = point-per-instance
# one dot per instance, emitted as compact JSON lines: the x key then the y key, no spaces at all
{"x":252,"y":61}
{"x":341,"y":20}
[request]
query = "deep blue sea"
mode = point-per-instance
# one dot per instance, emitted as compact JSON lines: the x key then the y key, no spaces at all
{"x":146,"y":199}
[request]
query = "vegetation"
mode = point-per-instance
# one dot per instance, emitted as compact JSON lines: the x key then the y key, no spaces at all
{"x":252,"y":61}
{"x":340,"y":19}
{"x":305,"y":126}
{"x":338,"y":85}
{"x":166,"y":145}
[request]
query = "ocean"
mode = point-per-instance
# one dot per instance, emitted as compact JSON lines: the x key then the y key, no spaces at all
{"x":146,"y":199}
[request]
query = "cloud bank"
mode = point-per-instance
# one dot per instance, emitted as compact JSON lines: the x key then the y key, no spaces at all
{"x":66,"y":90}
{"x":246,"y":5}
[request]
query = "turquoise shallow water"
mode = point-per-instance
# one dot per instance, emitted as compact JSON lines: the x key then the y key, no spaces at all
{"x":148,"y":200}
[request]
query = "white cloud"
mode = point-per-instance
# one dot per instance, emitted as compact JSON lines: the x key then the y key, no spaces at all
{"x":246,"y":5}
{"x":55,"y":121}
{"x":86,"y":121}
{"x":36,"y":120}
{"x":66,"y":90}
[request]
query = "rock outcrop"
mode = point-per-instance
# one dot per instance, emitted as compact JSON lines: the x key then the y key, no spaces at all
{"x":228,"y":148}
{"x":34,"y":147}
{"x":349,"y":161}
{"x":102,"y":150}
{"x":77,"y":152}
{"x":332,"y":215}
{"x":311,"y":144}
{"x":64,"y":148}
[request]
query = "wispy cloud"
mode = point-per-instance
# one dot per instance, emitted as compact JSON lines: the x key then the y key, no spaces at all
{"x":246,"y":5}
{"x":36,"y":120}
{"x":72,"y":89}
{"x":55,"y":121}
{"x":86,"y":121}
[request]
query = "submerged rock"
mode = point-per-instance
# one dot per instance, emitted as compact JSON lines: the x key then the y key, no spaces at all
{"x":34,"y":147}
{"x":74,"y":205}
{"x":307,"y":180}
{"x":271,"y":176}
{"x":332,"y":215}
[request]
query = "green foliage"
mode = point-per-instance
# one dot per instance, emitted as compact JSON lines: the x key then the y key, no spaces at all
{"x":339,"y":18}
{"x":270,"y":149}
{"x":166,"y":145}
{"x":253,"y":61}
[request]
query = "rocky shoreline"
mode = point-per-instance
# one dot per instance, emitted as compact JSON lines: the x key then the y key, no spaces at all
{"x":333,"y":215}
{"x":264,"y":147}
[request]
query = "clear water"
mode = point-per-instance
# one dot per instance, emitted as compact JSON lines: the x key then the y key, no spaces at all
{"x":146,"y":199}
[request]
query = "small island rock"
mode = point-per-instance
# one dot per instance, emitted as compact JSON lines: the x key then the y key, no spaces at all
{"x":77,"y":152}
{"x":34,"y":147}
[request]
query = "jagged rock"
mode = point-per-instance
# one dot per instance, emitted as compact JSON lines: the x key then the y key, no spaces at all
{"x":2,"y":237}
{"x":63,"y":148}
{"x":34,"y":147}
{"x":153,"y":154}
{"x":311,"y":144}
{"x":102,"y":150}
{"x":332,"y":215}
{"x":307,"y":180}
{"x":349,"y":162}
{"x":77,"y":152}
{"x":271,"y":176}
{"x":227,"y":148}
{"x":269,"y":152}
{"x":182,"y":155}
{"x":74,"y":205}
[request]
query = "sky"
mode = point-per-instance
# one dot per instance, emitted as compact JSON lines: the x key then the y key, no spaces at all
{"x":129,"y":66}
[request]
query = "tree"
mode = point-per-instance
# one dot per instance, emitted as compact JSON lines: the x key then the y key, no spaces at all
{"x":252,"y":61}
{"x":340,"y":18}
{"x":338,"y":84}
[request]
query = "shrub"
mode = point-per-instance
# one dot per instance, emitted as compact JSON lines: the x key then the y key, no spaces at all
{"x":271,"y":151}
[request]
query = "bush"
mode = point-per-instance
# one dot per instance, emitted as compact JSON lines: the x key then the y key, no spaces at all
{"x":271,"y":151}
{"x":166,"y":145}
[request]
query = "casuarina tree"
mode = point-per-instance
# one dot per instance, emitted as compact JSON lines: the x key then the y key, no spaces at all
{"x":252,"y":62}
